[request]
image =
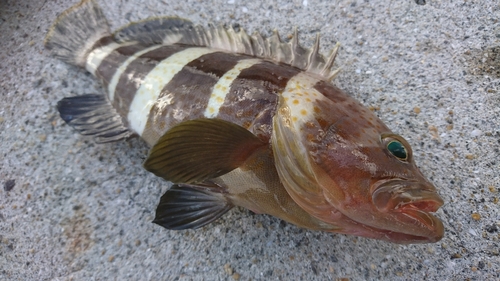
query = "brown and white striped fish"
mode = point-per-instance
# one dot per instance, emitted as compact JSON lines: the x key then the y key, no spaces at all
{"x":240,"y":120}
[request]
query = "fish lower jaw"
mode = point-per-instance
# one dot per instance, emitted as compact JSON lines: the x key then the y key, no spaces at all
{"x":401,"y":237}
{"x":425,"y":219}
{"x":389,"y":235}
{"x":415,"y":226}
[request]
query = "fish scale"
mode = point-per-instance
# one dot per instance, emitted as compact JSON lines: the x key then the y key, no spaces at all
{"x":242,"y":120}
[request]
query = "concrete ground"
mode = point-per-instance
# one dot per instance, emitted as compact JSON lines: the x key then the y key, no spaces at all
{"x":71,"y":209}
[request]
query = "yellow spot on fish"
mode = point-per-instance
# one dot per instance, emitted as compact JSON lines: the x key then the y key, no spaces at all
{"x":295,"y":101}
{"x":219,"y":99}
{"x":316,"y":109}
{"x":294,"y":118}
{"x":308,"y":99}
{"x":211,"y":109}
{"x":303,"y":112}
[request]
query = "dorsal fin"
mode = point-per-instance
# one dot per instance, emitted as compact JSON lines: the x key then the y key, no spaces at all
{"x":174,"y":30}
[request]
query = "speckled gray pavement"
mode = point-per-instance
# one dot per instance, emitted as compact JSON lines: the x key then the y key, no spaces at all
{"x":71,"y":209}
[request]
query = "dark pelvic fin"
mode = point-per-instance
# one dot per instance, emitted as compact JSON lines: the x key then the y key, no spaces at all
{"x":75,"y":31}
{"x":155,"y":30}
{"x":186,"y":206}
{"x":93,"y":115}
{"x":201,"y":149}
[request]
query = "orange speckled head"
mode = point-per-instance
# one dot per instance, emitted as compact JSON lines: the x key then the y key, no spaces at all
{"x":340,"y":163}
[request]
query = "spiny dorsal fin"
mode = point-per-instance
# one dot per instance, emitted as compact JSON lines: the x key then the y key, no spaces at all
{"x":171,"y":30}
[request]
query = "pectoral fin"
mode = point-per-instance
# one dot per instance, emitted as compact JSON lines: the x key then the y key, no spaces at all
{"x":186,"y":206}
{"x":201,"y":149}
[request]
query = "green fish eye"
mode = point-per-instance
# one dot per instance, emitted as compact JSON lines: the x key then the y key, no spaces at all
{"x":397,"y":149}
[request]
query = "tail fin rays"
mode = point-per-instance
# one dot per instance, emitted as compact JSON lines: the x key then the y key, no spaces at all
{"x":75,"y":31}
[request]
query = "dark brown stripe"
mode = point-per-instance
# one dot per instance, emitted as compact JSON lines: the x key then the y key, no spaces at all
{"x":253,"y":96}
{"x":136,"y":71}
{"x":215,"y":63}
{"x":110,"y":64}
{"x":191,"y":89}
{"x":330,"y":91}
{"x":104,"y":41}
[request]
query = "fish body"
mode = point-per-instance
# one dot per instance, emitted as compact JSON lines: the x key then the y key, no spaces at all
{"x":240,"y":120}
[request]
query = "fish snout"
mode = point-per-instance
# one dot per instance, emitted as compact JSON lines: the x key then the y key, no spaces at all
{"x":411,"y":204}
{"x":399,"y":195}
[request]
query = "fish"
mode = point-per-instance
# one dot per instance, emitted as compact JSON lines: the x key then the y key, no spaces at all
{"x":243,"y":120}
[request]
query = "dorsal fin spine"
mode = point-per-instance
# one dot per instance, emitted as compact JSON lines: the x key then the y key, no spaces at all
{"x":314,"y":59}
{"x":260,"y":43}
{"x":333,"y":74}
{"x":232,"y":39}
{"x":294,"y":42}
{"x":274,"y":45}
{"x":225,"y":40}
{"x":245,"y":41}
{"x":327,"y":72}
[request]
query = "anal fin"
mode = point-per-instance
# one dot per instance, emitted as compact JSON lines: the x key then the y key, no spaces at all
{"x":93,"y":115}
{"x":188,"y":206}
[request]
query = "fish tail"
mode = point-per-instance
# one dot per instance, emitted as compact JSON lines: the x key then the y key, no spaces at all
{"x":75,"y":31}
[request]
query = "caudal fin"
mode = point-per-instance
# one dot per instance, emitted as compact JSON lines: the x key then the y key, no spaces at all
{"x":75,"y":31}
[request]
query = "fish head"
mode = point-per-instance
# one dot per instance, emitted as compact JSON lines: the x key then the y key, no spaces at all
{"x":343,"y":165}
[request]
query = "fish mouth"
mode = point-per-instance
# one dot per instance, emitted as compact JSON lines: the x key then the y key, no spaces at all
{"x":410,"y":203}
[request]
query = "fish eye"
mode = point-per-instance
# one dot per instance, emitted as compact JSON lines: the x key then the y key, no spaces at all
{"x":397,"y":149}
{"x":397,"y":146}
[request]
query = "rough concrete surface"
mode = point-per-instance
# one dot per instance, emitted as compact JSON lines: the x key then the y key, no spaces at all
{"x":71,"y":209}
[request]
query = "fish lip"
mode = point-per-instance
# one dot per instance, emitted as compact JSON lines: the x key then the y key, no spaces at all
{"x":401,"y":194}
{"x":411,"y":202}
